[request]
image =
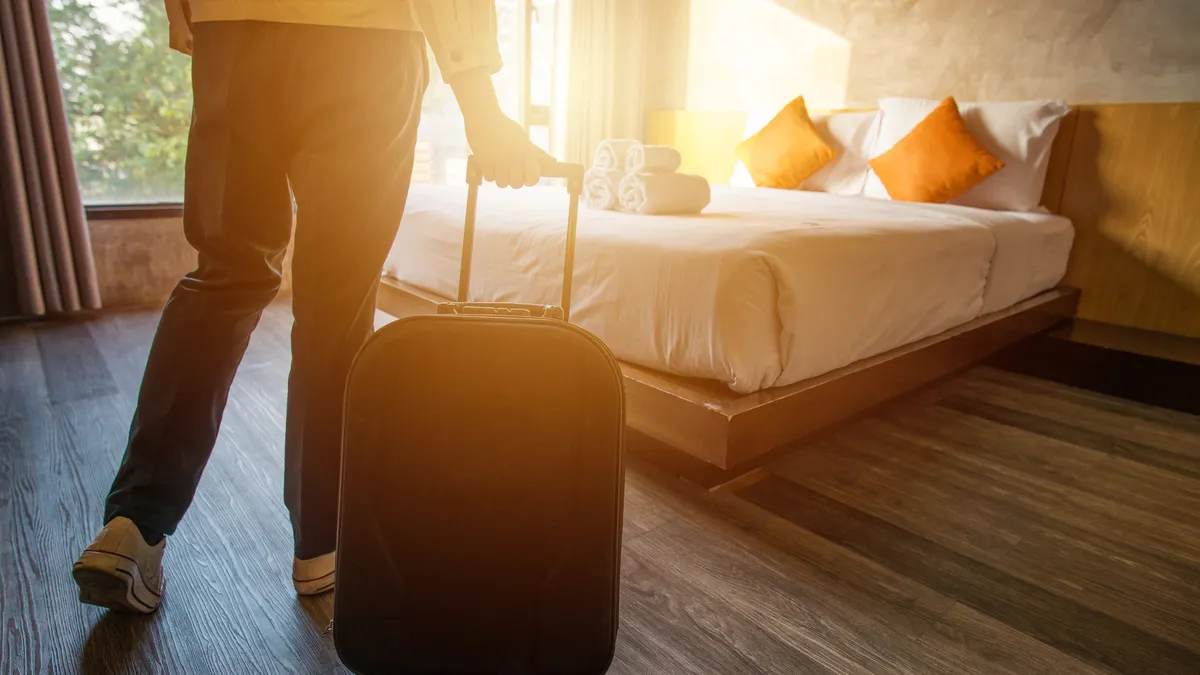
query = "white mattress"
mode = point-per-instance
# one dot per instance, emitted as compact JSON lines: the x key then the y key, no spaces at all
{"x":766,"y":288}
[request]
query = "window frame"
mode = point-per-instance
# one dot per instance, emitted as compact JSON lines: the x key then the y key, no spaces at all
{"x":531,"y":115}
{"x":133,"y":211}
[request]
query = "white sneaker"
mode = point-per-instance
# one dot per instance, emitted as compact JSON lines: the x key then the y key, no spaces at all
{"x":314,"y":575}
{"x":120,"y":570}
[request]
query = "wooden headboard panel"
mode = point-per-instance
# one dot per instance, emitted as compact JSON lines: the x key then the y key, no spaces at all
{"x":1132,"y":190}
{"x":1126,"y":174}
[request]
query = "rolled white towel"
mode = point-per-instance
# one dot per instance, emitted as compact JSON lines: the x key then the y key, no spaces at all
{"x":652,"y":159}
{"x":610,"y":154}
{"x":664,"y":193}
{"x":601,"y":188}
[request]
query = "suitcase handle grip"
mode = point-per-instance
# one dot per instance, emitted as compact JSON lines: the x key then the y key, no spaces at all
{"x":501,"y":309}
{"x":573,"y":173}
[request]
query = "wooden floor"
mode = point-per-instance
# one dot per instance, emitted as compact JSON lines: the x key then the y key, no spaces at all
{"x":993,"y":524}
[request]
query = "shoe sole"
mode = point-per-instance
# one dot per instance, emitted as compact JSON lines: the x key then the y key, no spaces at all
{"x":317,"y":586}
{"x":113,"y":581}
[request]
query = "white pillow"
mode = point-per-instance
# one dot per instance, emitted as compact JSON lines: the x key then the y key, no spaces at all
{"x":1019,"y":133}
{"x":852,"y":135}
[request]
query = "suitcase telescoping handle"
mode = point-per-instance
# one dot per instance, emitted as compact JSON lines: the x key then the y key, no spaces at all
{"x":573,"y":173}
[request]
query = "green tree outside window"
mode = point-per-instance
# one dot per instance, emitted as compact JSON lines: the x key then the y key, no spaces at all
{"x":128,"y":98}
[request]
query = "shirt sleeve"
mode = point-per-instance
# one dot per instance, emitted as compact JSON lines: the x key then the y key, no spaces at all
{"x":462,"y":34}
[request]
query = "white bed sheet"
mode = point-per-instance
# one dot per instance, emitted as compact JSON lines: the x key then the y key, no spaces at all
{"x":766,"y":288}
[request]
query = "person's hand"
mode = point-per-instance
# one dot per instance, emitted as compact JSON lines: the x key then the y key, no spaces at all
{"x":505,"y":154}
{"x":503,"y":150}
{"x":179,"y":16}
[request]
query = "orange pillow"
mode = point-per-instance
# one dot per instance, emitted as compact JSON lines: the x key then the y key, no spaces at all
{"x":937,"y":161}
{"x":786,"y":151}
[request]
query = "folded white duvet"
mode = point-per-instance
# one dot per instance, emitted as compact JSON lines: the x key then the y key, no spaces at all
{"x":651,"y":194}
{"x":766,"y":288}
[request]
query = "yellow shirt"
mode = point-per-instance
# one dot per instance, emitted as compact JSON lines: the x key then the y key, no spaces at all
{"x":462,"y":33}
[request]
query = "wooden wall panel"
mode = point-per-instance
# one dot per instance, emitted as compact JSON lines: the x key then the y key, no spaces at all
{"x":1133,"y":193}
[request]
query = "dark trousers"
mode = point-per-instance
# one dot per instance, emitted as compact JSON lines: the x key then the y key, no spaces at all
{"x":330,"y":116}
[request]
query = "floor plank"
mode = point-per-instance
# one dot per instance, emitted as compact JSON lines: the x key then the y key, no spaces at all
{"x":1031,"y":469}
{"x":71,"y":363}
{"x":1070,"y":433}
{"x":1114,"y":580}
{"x":894,"y":599}
{"x":1070,"y":627}
{"x":1002,"y":648}
{"x":836,"y":468}
{"x":1098,"y":572}
{"x":1118,"y":424}
{"x":991,"y":523}
{"x":673,"y":624}
{"x":825,"y":636}
{"x":1183,"y":422}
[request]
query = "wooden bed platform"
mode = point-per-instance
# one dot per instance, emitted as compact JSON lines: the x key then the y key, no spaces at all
{"x":712,"y":435}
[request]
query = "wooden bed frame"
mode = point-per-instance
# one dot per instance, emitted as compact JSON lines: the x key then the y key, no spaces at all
{"x":724,"y":434}
{"x":711,"y":435}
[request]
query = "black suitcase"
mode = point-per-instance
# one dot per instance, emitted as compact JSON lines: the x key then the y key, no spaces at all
{"x":482,"y":488}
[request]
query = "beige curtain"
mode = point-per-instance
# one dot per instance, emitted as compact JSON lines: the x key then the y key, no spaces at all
{"x":600,"y":75}
{"x":48,"y":267}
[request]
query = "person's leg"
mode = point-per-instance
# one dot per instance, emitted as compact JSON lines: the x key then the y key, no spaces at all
{"x":354,"y":128}
{"x":237,"y":215}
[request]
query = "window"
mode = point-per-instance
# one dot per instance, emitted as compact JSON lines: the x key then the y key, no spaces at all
{"x":128,"y":96}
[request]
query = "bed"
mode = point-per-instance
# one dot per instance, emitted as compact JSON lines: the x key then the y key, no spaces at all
{"x":765,"y":289}
{"x":769,"y":316}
